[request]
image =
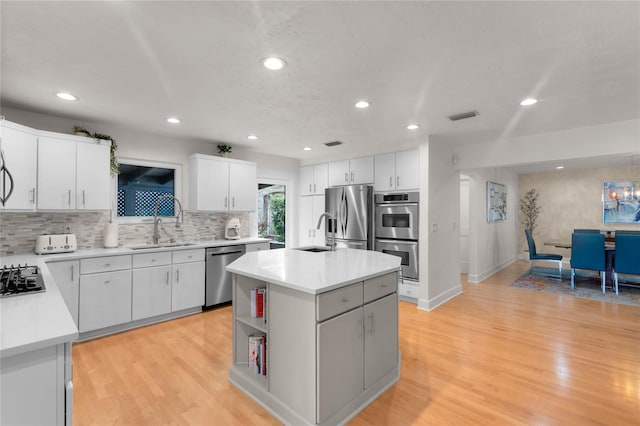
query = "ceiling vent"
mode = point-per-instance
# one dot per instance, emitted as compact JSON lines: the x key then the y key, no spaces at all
{"x":463,"y":115}
{"x":334,"y":143}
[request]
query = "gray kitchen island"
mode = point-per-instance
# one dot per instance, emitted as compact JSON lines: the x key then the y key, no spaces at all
{"x":329,"y":331}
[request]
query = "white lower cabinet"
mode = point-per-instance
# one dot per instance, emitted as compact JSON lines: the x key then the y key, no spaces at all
{"x":151,"y":293}
{"x":67,"y":277}
{"x":188,"y":285}
{"x":105,"y":297}
{"x":340,"y":362}
{"x":36,"y":387}
{"x":379,"y":320}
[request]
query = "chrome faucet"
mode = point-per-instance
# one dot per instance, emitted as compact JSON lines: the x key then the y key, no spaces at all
{"x":157,"y":220}
{"x":329,"y":217}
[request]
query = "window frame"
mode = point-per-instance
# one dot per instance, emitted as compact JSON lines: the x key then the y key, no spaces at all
{"x":177,"y":188}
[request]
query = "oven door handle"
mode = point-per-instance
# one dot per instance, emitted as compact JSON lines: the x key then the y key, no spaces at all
{"x":398,"y":242}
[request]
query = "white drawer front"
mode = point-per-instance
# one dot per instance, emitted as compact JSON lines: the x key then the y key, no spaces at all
{"x":145,"y":260}
{"x":183,"y":256}
{"x":378,"y":287}
{"x":337,"y":301}
{"x":408,"y":290}
{"x":104,"y":264}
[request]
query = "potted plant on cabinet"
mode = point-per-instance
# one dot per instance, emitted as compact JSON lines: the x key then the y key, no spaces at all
{"x":81,"y":131}
{"x":224,"y":149}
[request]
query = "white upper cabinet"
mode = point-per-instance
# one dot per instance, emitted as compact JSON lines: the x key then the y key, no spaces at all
{"x":351,"y":172}
{"x":397,"y":171}
{"x":73,"y":174}
{"x":20,"y":146}
{"x":310,"y":209}
{"x":56,"y":174}
{"x":92,"y":176}
{"x":314,"y":179}
{"x":220,"y":184}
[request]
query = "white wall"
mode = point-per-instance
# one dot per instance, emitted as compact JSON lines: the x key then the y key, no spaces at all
{"x":492,"y":246}
{"x":439,"y":222}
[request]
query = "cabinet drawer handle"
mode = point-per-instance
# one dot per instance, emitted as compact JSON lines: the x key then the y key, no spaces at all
{"x":397,"y":180}
{"x":351,"y":176}
{"x":360,"y":328}
{"x":153,"y":260}
{"x":390,"y":181}
{"x":383,"y":286}
{"x":177,"y":275}
{"x":167,"y":277}
{"x":72,"y":266}
{"x":310,"y":188}
{"x":33,"y":196}
{"x":345,"y":300}
{"x":69,"y":198}
{"x":226,"y":199}
{"x":83,"y":198}
{"x":371,"y":319}
{"x":189,"y":257}
{"x":233,"y":201}
{"x":106,"y":265}
{"x":346,"y":177}
{"x":107,"y":281}
{"x":314,"y":187}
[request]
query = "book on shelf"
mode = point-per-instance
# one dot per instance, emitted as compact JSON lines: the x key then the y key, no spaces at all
{"x":258,"y":302}
{"x":258,"y":354}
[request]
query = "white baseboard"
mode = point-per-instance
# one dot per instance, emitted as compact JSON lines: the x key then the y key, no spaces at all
{"x":473,"y":278}
{"x":431,"y":304}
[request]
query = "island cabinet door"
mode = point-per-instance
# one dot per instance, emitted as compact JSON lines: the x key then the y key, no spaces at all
{"x":380,"y":338}
{"x":340,"y":362}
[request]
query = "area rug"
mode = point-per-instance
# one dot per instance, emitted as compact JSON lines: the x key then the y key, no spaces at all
{"x":587,"y":285}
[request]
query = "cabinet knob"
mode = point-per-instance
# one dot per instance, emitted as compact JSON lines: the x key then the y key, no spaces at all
{"x":345,"y":300}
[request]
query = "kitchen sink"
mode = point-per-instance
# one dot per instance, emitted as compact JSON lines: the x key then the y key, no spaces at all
{"x":152,"y":246}
{"x":314,"y":249}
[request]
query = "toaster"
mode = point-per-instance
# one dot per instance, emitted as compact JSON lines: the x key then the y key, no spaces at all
{"x":60,"y":243}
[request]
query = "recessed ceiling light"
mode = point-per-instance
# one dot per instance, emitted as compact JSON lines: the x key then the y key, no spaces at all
{"x":273,"y":63}
{"x":252,"y":137}
{"x":306,"y":148}
{"x":559,"y":167}
{"x":173,"y":120}
{"x":363,"y":104}
{"x":66,"y":96}
{"x":413,"y":126}
{"x":528,"y":101}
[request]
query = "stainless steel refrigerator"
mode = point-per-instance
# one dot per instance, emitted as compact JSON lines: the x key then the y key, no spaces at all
{"x":352,"y":207}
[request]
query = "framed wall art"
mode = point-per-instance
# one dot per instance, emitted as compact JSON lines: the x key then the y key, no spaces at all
{"x":621,"y":202}
{"x":496,"y":202}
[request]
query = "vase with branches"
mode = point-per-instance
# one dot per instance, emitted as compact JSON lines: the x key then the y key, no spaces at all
{"x":530,"y":209}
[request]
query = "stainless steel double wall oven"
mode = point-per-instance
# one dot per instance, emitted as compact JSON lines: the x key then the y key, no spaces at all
{"x":396,"y":221}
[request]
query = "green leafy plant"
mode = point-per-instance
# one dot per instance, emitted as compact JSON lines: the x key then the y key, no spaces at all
{"x":277,"y":210}
{"x":114,"y":166}
{"x":223,"y":148}
{"x":530,"y":209}
{"x":81,"y":130}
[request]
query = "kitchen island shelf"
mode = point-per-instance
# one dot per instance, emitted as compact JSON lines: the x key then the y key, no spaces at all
{"x":257,"y":323}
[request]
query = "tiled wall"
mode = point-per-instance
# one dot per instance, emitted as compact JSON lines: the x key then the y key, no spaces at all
{"x":18,"y":230}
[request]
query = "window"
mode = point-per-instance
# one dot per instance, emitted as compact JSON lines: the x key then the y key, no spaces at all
{"x":139,"y":186}
{"x":271,"y":212}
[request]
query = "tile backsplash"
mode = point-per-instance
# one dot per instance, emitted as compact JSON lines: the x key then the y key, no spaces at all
{"x":18,"y":230}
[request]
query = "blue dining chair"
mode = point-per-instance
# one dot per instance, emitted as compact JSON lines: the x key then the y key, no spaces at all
{"x":593,"y":231}
{"x":627,"y":260}
{"x":534,"y":255}
{"x":587,"y":252}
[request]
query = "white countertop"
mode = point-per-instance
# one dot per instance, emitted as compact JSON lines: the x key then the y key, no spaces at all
{"x":314,"y":272}
{"x":33,"y":321}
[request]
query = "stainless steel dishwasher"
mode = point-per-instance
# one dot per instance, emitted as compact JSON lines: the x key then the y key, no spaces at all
{"x":217,"y":279}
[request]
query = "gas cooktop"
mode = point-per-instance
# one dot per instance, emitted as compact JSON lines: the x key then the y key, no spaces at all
{"x":21,"y":279}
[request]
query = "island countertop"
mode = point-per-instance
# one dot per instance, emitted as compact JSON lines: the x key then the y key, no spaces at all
{"x":314,"y":273}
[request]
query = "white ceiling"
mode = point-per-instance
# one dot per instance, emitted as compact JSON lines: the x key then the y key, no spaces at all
{"x":136,"y":63}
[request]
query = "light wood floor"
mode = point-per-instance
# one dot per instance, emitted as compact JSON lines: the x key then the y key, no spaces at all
{"x":495,"y":355}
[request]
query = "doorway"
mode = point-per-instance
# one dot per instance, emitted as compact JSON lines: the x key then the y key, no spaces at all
{"x":271,"y":212}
